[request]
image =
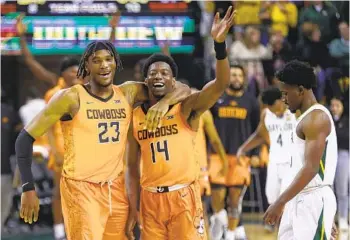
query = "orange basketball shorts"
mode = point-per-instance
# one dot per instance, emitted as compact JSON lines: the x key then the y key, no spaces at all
{"x":172,"y":215}
{"x":204,"y":183}
{"x":94,"y":211}
{"x":237,"y":175}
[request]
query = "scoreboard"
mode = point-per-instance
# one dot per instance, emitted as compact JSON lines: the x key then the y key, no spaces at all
{"x":66,"y":27}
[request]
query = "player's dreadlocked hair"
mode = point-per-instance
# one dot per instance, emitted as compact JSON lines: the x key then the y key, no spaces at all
{"x":91,"y":49}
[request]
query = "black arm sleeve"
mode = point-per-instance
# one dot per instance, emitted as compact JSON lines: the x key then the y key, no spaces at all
{"x":24,"y":154}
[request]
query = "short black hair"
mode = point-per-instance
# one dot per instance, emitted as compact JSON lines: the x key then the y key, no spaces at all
{"x":237,"y":65}
{"x":270,"y":95}
{"x":91,"y":49}
{"x":160,"y":57}
{"x":68,"y":62}
{"x":297,"y":73}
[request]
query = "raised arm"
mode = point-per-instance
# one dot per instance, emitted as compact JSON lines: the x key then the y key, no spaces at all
{"x":113,"y":23}
{"x":259,"y":137}
{"x":316,"y":127}
{"x":138,"y":92}
{"x":214,"y":139}
{"x":132,"y":178}
{"x":35,"y":67}
{"x":61,"y":104}
{"x":203,"y":100}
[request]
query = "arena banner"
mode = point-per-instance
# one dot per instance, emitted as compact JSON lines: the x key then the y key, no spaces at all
{"x":66,"y":27}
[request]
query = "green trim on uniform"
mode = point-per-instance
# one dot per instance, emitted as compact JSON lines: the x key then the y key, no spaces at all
{"x":322,"y":166}
{"x":320,"y":232}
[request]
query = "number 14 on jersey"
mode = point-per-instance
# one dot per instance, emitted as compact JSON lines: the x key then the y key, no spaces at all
{"x":160,"y":147}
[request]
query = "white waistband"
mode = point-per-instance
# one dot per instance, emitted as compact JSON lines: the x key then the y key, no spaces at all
{"x":310,"y":189}
{"x":167,"y":189}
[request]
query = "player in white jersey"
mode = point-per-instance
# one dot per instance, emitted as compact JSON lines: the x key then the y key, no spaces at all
{"x":275,"y":128}
{"x":308,"y":204}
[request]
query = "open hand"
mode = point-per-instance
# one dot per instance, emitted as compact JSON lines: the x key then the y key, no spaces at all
{"x":29,"y":207}
{"x":20,"y":26}
{"x":114,"y":21}
{"x":221,"y":27}
{"x":155,"y":114}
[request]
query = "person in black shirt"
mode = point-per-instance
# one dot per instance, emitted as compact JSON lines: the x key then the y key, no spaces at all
{"x":342,"y":176}
{"x":10,"y":126}
{"x":236,"y":116}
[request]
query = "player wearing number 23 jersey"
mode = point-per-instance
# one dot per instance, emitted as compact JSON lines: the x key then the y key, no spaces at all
{"x":95,"y":119}
{"x":170,"y":206}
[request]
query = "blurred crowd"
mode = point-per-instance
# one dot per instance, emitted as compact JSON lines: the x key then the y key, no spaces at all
{"x":266,"y":35}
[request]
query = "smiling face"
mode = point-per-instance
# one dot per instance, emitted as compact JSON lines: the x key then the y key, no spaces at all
{"x":236,"y":79}
{"x":160,"y":80}
{"x":101,"y":66}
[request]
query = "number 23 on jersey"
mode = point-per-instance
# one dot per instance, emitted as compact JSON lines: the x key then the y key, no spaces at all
{"x":108,"y":132}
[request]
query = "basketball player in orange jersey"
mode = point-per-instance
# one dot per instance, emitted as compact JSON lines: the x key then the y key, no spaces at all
{"x":67,"y":78}
{"x":236,"y":116}
{"x":94,"y":118}
{"x":170,"y":196}
{"x":207,"y":127}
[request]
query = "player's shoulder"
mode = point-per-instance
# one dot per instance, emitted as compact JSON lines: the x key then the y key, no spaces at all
{"x":316,"y":121}
{"x":70,"y":95}
{"x":264,"y":112}
{"x":129,"y":86}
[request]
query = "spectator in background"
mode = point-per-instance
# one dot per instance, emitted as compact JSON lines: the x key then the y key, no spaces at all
{"x":323,"y":14}
{"x":282,"y":15}
{"x":342,"y":176}
{"x":310,"y":47}
{"x":247,"y":14}
{"x":281,"y":53}
{"x":10,"y":127}
{"x":138,"y":75}
{"x":250,"y":52}
{"x":339,"y":48}
{"x":339,"y":86}
{"x":313,"y":50}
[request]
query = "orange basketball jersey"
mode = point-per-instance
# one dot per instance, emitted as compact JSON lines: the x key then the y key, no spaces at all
{"x":95,"y":139}
{"x":201,"y":145}
{"x":167,"y":155}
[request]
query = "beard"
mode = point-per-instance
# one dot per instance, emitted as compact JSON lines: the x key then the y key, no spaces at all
{"x":236,"y":87}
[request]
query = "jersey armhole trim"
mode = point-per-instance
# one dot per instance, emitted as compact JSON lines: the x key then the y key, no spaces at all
{"x":184,"y":121}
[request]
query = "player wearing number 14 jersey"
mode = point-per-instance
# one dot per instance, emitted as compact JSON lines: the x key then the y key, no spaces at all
{"x":170,"y":206}
{"x":94,"y":118}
